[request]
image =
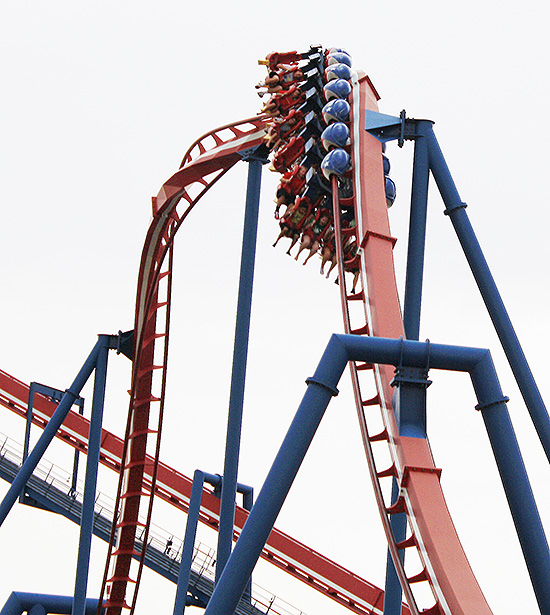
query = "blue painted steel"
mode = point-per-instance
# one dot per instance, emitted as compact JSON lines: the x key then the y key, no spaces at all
{"x":409,"y":404}
{"x":393,"y":594}
{"x":189,"y":542}
{"x":74,"y":478}
{"x":383,"y":127}
{"x":387,"y":128}
{"x":238,"y":376}
{"x":55,"y":395}
{"x":409,"y":400}
{"x":489,"y":292}
{"x":247,"y":491}
{"x":19,"y":602}
{"x":33,"y":388}
{"x":37,"y":609}
{"x":213,"y":479}
{"x":514,"y":479}
{"x":277,"y":484}
{"x":340,"y":349}
{"x":49,"y":432}
{"x":248,"y":496}
{"x":92,"y":465}
{"x":417,"y":237}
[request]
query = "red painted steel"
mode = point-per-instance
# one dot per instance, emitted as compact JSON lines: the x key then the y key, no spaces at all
{"x":208,"y":160}
{"x":283,"y":551}
{"x":446,"y":567}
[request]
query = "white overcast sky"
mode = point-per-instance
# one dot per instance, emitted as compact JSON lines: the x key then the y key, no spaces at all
{"x":100,"y":101}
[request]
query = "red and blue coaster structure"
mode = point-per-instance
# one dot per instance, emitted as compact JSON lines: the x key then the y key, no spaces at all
{"x":322,"y":130}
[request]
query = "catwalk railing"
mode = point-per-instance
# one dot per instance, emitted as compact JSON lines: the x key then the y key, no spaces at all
{"x":50,"y":488}
{"x":283,"y":551}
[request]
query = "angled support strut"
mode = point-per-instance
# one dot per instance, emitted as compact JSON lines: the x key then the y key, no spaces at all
{"x":340,"y":350}
{"x":388,"y":128}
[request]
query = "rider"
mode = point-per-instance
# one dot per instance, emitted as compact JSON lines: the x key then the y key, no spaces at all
{"x":291,"y":185}
{"x":314,"y":231}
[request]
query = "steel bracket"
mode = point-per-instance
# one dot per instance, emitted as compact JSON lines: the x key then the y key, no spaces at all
{"x":411,"y":375}
{"x":390,"y":128}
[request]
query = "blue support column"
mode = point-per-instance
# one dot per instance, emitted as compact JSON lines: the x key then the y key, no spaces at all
{"x":238,"y":570}
{"x":455,"y":209}
{"x":409,"y":404}
{"x":411,"y":322}
{"x":28,"y":424}
{"x":393,"y":594}
{"x":49,"y":432}
{"x":515,"y":481}
{"x":55,"y":395}
{"x":321,"y":387}
{"x":240,"y":354}
{"x":388,"y":128}
{"x":92,"y":464}
{"x":35,"y":387}
{"x":248,"y":503}
{"x":417,"y":235}
{"x":189,"y":542}
{"x":74,"y":479}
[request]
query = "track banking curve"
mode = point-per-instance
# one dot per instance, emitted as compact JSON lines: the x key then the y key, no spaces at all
{"x":205,"y":163}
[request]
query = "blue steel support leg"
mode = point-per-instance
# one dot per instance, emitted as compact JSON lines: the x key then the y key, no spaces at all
{"x":240,"y":354}
{"x":20,"y":602}
{"x":28,"y":425}
{"x":92,"y":464}
{"x":254,"y":535}
{"x":455,"y":209}
{"x":409,"y":402}
{"x":393,"y":594}
{"x":515,"y":480}
{"x":189,"y":542}
{"x":413,"y":354}
{"x":248,"y":502}
{"x":55,"y":395}
{"x":27,"y":441}
{"x":74,"y":478}
{"x":49,"y":432}
{"x":417,"y":236}
{"x":411,"y":322}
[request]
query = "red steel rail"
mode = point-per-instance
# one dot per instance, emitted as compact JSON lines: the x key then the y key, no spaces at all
{"x":432,"y":533}
{"x":283,"y":551}
{"x":431,"y":530}
{"x":204,"y":164}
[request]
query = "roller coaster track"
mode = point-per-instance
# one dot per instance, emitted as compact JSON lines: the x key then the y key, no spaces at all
{"x":49,"y":488}
{"x":431,"y":531}
{"x":206,"y":161}
{"x":204,"y":164}
{"x":283,"y":551}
